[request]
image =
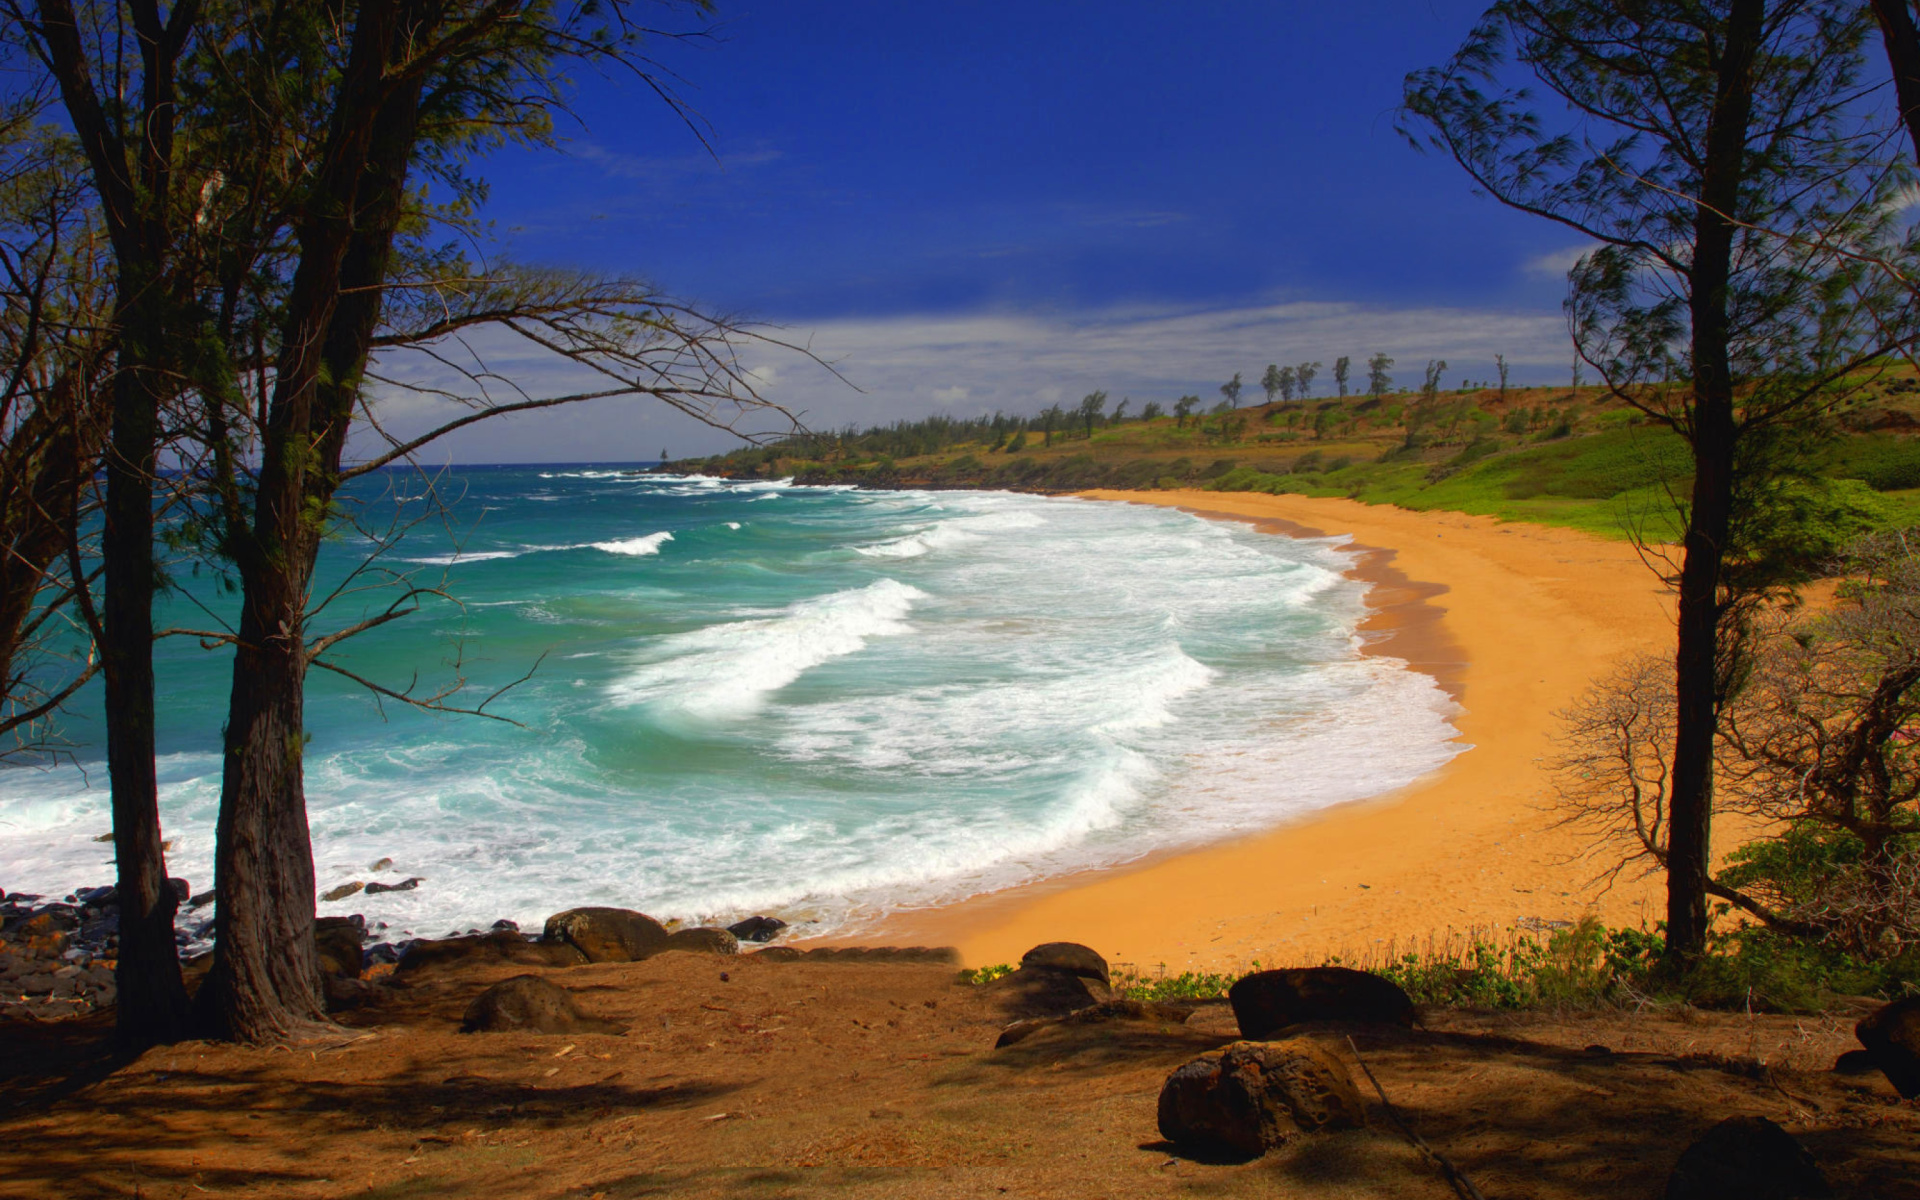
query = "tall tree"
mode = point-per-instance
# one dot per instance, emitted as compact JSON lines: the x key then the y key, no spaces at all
{"x":1286,"y":382}
{"x":1303,"y":377}
{"x":1182,"y":409}
{"x":1340,"y":367}
{"x":1231,"y":390}
{"x":1500,"y":363}
{"x":1091,"y":406}
{"x":1270,"y":382}
{"x":1718,"y":160}
{"x":1379,"y":378}
{"x":117,"y":73}
{"x":254,"y":280}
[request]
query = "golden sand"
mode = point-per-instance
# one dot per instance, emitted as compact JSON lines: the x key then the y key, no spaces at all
{"x":1515,"y":620}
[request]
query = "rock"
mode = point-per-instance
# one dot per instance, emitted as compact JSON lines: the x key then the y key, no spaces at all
{"x":1252,"y":1096}
{"x":204,"y":898}
{"x":757,"y":929}
{"x":182,"y":890}
{"x":336,"y":942}
{"x":1746,"y":1157}
{"x":1096,"y":1014}
{"x":98,"y":895}
{"x":946,"y":955}
{"x":1069,"y":957}
{"x":503,"y":923}
{"x":1891,"y":1034}
{"x":344,"y":995}
{"x":341,"y":892}
{"x":607,"y":934}
{"x":1045,"y":993}
{"x":780,"y":954}
{"x":703,"y":940}
{"x":530,"y":1004}
{"x":383,"y":864}
{"x":1855,"y":1062}
{"x":405,"y":885}
{"x":1268,"y":1001}
{"x":505,"y":946}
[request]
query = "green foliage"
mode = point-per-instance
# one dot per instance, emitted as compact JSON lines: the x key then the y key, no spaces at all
{"x":980,"y":975}
{"x":1187,"y":985}
{"x":1883,"y":462}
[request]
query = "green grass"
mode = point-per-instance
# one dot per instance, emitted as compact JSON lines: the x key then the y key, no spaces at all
{"x":1582,"y":965}
{"x":1549,"y":457}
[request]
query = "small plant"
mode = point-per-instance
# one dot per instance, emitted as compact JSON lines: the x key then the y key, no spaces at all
{"x":1187,"y":985}
{"x":981,"y":975}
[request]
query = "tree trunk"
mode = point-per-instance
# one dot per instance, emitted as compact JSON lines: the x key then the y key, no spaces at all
{"x":1713,"y":435}
{"x":1902,"y":42}
{"x":152,"y":1003}
{"x":265,"y":981}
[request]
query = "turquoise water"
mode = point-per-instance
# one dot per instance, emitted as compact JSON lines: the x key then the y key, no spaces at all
{"x":819,"y":703}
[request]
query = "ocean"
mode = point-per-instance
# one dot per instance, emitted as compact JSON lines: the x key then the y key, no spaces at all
{"x":821,"y":704}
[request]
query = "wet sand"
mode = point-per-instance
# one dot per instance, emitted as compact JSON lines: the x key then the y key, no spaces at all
{"x":1514,"y":621}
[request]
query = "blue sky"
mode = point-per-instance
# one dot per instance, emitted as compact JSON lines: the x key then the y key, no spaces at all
{"x":972,"y":206}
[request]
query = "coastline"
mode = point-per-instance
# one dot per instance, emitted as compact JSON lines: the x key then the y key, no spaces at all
{"x":1513,"y":621}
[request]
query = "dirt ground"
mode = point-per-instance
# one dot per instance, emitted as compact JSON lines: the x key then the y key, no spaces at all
{"x":764,"y":1079}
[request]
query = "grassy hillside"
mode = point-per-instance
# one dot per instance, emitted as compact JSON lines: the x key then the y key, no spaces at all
{"x":1554,"y":456}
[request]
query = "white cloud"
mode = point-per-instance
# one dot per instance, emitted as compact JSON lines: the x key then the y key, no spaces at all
{"x":911,"y":365}
{"x":1555,"y":263}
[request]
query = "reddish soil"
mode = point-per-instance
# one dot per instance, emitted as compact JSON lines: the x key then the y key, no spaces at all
{"x":744,"y":1078}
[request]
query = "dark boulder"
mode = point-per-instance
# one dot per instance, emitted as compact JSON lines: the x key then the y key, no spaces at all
{"x":505,"y":946}
{"x":1045,"y":993}
{"x":337,"y":942}
{"x":1095,"y":1014}
{"x":703,"y":940}
{"x":405,"y":885}
{"x":530,"y":1004}
{"x":1266,"y":1002}
{"x":341,"y":892}
{"x":1070,"y":958}
{"x":1856,"y":1062}
{"x":1750,"y":1158}
{"x":1891,"y":1035}
{"x":608,"y":934}
{"x":345,"y":995}
{"x":1250,"y":1097}
{"x":757,"y":929}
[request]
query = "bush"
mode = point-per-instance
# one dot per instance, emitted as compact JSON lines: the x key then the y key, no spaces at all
{"x":1187,"y":985}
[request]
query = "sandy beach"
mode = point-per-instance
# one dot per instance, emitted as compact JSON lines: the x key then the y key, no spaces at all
{"x":1514,"y":620}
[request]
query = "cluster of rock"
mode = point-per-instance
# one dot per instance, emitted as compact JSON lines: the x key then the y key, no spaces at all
{"x":1288,"y":1074}
{"x":352,"y":965}
{"x":57,"y":956}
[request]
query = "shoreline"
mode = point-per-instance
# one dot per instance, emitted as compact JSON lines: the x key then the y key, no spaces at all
{"x":1512,"y":621}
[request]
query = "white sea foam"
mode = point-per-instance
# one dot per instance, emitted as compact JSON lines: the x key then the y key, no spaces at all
{"x":1043,"y":685}
{"x":462,"y":556}
{"x":650,"y":544}
{"x":728,"y":670}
